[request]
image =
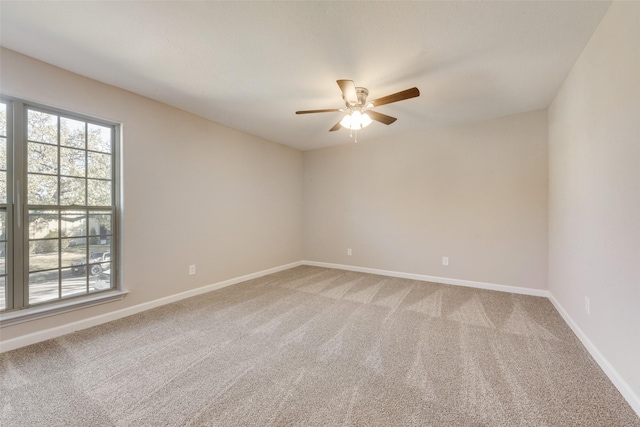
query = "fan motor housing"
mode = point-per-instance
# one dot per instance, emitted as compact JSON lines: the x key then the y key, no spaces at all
{"x":361,"y":93}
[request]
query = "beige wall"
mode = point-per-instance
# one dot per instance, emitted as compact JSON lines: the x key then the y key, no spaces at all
{"x":594,"y":191}
{"x":195,"y":192}
{"x":475,"y":193}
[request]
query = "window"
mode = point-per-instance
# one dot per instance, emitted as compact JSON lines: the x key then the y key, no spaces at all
{"x":58,"y":211}
{"x":4,"y":219}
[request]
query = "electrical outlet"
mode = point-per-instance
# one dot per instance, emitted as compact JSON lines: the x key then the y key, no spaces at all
{"x":192,"y":269}
{"x":349,"y":252}
{"x":587,"y":305}
{"x":445,"y":260}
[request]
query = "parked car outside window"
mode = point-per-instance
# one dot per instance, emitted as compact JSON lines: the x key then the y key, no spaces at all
{"x":99,"y":262}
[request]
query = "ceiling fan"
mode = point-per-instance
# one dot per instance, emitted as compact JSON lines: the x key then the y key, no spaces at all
{"x":359,"y":114}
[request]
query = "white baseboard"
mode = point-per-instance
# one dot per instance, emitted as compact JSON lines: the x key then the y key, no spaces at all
{"x":46,"y":334}
{"x":425,"y":278}
{"x":605,"y":365}
{"x":617,"y":380}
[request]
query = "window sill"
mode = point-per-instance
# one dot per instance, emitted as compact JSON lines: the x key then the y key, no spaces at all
{"x":29,"y":314}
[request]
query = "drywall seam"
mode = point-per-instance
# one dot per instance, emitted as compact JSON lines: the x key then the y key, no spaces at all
{"x":617,"y":380}
{"x":36,"y":337}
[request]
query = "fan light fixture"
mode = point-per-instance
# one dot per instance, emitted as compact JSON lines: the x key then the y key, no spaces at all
{"x":359,"y":115}
{"x":356,"y":120}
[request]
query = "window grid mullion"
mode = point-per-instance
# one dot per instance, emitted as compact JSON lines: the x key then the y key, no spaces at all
{"x":9,"y":207}
{"x":86,"y":202}
{"x":17,"y":208}
{"x":59,"y":241}
{"x":20,"y":224}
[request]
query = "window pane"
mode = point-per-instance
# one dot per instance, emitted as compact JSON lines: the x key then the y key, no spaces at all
{"x":72,"y":162}
{"x":3,"y":293}
{"x":72,"y":133}
{"x":43,"y":190}
{"x":99,"y":193}
{"x":42,"y":127}
{"x":79,"y":264}
{"x":74,"y":224}
{"x":3,"y":153}
{"x":97,"y":269}
{"x":3,"y":187}
{"x":78,"y":242}
{"x":101,"y":281}
{"x":101,"y":224}
{"x":42,"y":158}
{"x":99,"y":250}
{"x":43,"y":254}
{"x":99,"y":260}
{"x":72,"y":191}
{"x":99,"y":165}
{"x":3,"y":224}
{"x":73,"y":254}
{"x":73,"y":284}
{"x":67,"y":166}
{"x":3,"y":119}
{"x":43,"y":224}
{"x":99,"y":138}
{"x":3,"y":258}
{"x":43,"y":286}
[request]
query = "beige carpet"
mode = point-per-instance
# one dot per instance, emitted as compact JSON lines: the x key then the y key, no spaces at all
{"x":313,"y":346}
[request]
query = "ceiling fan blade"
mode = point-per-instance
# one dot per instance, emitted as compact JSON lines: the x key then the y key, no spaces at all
{"x":335,"y":127}
{"x":348,"y":89}
{"x":330,"y":110}
{"x":400,"y":96}
{"x":382,"y":118}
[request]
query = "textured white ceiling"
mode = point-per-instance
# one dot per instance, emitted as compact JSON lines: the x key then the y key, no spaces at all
{"x":251,"y":65}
